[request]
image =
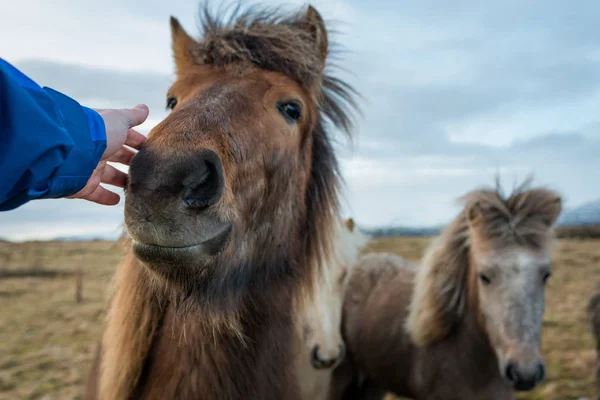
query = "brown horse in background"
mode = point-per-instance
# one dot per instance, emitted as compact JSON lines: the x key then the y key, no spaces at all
{"x":230,"y":207}
{"x":467,"y":323}
{"x":593,"y":310}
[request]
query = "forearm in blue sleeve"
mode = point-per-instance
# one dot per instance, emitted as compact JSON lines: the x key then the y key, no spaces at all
{"x":49,"y":143}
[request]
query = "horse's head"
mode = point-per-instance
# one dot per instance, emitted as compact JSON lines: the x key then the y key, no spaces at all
{"x":321,"y":322}
{"x":243,"y":164}
{"x":322,"y":312}
{"x":510,"y":263}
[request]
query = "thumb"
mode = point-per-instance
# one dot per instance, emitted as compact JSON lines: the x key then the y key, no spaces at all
{"x":137,"y":115}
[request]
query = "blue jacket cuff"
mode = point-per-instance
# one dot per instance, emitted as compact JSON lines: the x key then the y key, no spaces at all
{"x":88,"y":132}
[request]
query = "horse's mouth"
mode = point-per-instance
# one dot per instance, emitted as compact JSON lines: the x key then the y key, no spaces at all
{"x":178,"y":255}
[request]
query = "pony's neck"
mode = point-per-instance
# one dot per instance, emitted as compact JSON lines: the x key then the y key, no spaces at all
{"x":473,"y":351}
{"x":189,"y":359}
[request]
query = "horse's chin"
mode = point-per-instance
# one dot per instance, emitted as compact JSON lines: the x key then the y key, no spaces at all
{"x":168,"y":260}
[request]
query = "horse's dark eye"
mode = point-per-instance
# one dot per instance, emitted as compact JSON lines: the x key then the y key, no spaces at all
{"x":546,"y":276}
{"x":485,"y":279}
{"x":292,"y":111}
{"x":171,"y":103}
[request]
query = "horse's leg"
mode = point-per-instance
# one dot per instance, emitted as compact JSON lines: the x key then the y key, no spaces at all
{"x":598,"y":370}
{"x":91,"y":385}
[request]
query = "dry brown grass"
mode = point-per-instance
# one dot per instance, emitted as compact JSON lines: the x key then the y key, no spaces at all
{"x":580,"y":232}
{"x":47,"y":339}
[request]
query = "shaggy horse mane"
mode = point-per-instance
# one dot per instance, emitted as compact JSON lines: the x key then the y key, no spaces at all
{"x":439,"y":300}
{"x":271,"y":40}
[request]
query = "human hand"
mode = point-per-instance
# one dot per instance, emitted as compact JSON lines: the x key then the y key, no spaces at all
{"x":119,"y":132}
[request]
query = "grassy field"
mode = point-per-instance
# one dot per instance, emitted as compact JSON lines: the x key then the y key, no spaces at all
{"x":47,"y":338}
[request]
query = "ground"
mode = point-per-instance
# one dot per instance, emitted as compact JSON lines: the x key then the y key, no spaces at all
{"x":47,"y":338}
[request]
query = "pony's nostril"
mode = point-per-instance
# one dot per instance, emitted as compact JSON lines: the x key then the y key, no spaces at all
{"x":314,"y":357}
{"x":203,"y":187}
{"x":511,"y":374}
{"x":541,"y":372}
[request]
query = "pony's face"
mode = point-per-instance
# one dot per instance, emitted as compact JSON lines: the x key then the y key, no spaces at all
{"x":321,"y":326}
{"x":510,"y":285}
{"x":511,"y":244}
{"x":321,"y":329}
{"x":226,"y":171}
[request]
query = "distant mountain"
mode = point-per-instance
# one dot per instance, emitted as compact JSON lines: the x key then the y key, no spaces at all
{"x":86,"y":238}
{"x":587,"y":214}
{"x":402,"y":231}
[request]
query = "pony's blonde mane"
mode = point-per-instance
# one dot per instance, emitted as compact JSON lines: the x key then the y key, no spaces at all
{"x":347,"y":242}
{"x":439,"y":300}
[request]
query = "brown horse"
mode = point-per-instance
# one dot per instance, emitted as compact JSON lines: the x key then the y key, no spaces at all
{"x":593,"y":310}
{"x":466,"y":324}
{"x":230,"y":206}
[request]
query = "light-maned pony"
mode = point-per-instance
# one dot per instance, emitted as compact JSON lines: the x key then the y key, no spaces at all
{"x":320,"y":345}
{"x":465,"y":324}
{"x":230,"y":206}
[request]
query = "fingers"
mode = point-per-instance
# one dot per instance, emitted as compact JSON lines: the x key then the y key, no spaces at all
{"x":103,"y":196}
{"x":123,"y":156}
{"x":134,"y":139}
{"x":136,"y":115}
{"x":112,"y":176}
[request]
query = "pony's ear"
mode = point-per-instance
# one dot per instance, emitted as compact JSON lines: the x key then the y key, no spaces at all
{"x":554,"y":210}
{"x":350,"y":224}
{"x":182,"y":45}
{"x":474,"y":215}
{"x":317,"y":29}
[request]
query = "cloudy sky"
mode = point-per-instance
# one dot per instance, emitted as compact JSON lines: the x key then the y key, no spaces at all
{"x":453,"y":94}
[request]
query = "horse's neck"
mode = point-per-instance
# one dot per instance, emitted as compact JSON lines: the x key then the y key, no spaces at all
{"x":468,"y":363}
{"x":189,"y":360}
{"x":471,"y":340}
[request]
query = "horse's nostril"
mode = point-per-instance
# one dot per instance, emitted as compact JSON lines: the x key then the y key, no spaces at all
{"x":203,"y":187}
{"x":314,"y":357}
{"x":541,"y":375}
{"x":524,"y":378}
{"x":319,"y":362}
{"x":511,"y":373}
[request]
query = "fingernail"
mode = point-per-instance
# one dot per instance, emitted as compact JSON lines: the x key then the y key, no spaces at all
{"x":142,"y":107}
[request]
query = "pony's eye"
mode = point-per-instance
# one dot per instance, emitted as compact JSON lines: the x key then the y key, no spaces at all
{"x":546,"y":276}
{"x":171,"y":103}
{"x":485,"y":279}
{"x":292,"y":111}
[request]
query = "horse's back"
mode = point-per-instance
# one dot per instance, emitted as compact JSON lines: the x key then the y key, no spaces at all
{"x":375,"y":309}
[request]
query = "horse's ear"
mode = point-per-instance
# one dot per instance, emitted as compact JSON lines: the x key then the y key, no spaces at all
{"x":317,"y":29}
{"x":182,"y":45}
{"x":554,"y":211}
{"x":474,"y":214}
{"x":350,"y":224}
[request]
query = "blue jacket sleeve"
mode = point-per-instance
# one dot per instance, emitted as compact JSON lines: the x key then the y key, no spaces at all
{"x":49,"y":143}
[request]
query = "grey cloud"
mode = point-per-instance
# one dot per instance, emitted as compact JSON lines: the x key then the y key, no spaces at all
{"x":421,"y":66}
{"x":118,"y":88}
